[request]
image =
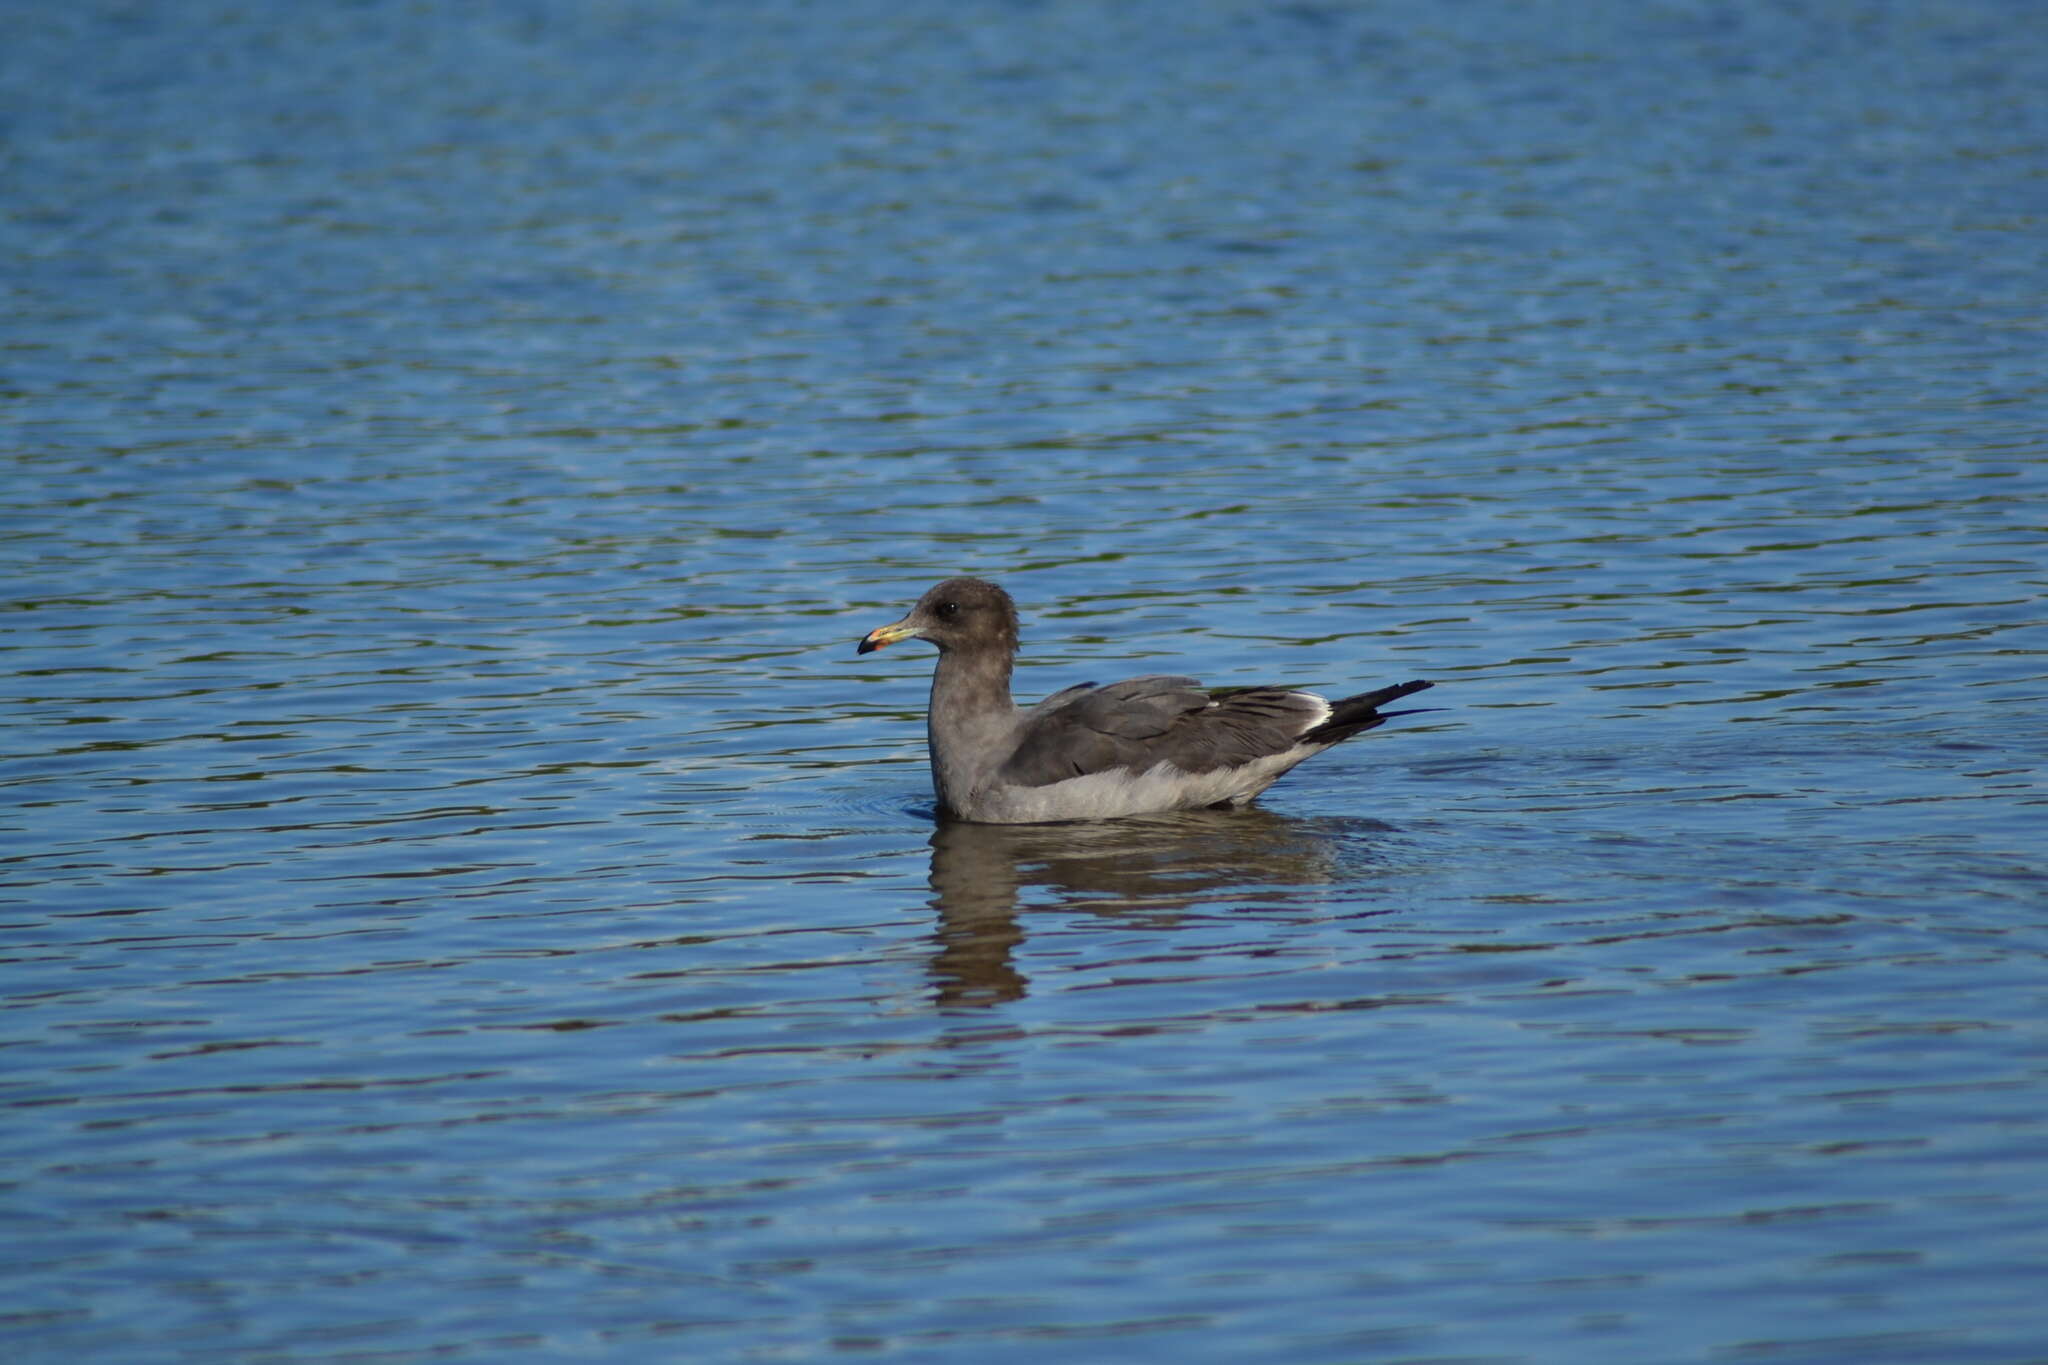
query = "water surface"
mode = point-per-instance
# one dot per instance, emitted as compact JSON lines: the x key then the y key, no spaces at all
{"x":462,"y":898}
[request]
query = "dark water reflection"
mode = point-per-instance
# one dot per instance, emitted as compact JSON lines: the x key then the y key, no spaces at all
{"x":1153,"y":870}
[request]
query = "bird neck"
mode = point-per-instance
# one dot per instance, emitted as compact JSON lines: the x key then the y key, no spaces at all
{"x":971,"y":715}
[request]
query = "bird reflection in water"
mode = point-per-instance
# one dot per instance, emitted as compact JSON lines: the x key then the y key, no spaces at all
{"x":1155,"y":869}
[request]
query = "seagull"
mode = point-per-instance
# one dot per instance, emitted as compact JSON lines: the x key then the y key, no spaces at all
{"x":1134,"y":747}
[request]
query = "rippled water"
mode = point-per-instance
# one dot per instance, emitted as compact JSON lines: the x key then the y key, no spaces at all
{"x":462,"y":898}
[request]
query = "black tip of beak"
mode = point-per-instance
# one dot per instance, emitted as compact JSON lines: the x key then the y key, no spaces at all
{"x":866,"y":646}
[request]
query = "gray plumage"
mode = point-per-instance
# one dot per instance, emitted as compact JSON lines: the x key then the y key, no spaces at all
{"x":1142,"y":745}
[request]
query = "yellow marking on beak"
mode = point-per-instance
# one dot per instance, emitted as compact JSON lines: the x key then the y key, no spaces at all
{"x":885,"y":635}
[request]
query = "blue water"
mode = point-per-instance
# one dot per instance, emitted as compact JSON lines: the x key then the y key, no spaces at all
{"x":461,"y":897}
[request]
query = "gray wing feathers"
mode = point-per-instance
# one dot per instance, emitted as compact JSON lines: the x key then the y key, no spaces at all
{"x":1141,"y":722}
{"x":1136,"y":708}
{"x":1062,"y":697}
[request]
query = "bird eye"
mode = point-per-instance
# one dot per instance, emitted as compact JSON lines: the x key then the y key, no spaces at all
{"x":949,"y":608}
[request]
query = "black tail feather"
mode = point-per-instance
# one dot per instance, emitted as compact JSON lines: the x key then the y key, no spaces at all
{"x":1354,"y":715}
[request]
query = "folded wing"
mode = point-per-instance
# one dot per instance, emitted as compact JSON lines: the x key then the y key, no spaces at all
{"x":1140,"y":723}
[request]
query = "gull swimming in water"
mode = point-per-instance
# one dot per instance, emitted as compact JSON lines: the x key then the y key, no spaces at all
{"x":1146,"y":744}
